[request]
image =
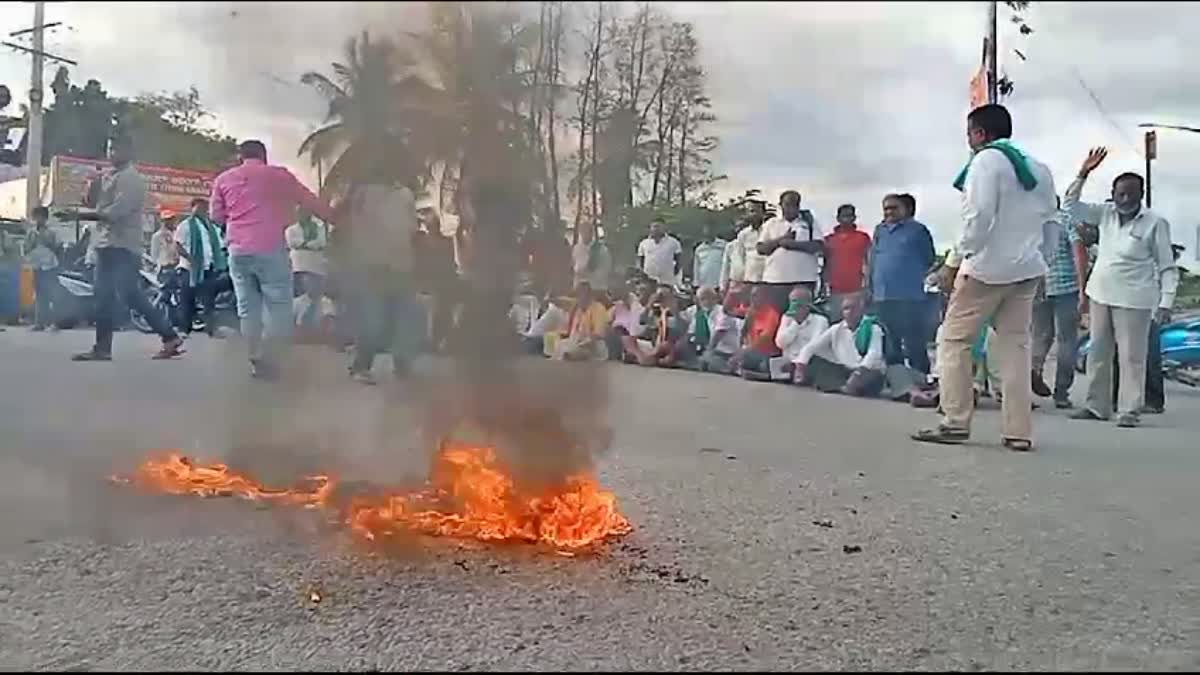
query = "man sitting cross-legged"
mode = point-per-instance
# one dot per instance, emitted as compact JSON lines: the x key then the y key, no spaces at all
{"x":586,"y":326}
{"x":753,"y":359}
{"x":847,"y":357}
{"x":800,"y":325}
{"x":664,"y":343}
{"x":726,"y":336}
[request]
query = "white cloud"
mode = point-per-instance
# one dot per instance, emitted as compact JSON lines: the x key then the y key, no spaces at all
{"x":844,"y":101}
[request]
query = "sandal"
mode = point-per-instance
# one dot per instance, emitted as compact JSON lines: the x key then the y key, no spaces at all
{"x":943,"y":435}
{"x":1017,"y":444}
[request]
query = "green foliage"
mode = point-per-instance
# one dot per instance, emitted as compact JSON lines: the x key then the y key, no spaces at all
{"x":686,"y":223}
{"x":165,"y":127}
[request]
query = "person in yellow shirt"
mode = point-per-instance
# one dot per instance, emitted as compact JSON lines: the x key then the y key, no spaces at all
{"x":586,"y":327}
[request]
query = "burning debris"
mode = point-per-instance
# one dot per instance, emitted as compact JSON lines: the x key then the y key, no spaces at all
{"x":470,"y":495}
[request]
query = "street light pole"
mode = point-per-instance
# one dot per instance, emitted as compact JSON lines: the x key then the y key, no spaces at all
{"x":1152,"y":146}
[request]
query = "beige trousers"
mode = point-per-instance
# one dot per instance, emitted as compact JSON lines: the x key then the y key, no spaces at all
{"x":1010,"y":306}
{"x":1128,"y":332}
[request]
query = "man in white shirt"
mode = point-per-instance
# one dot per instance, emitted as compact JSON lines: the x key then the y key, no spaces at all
{"x":725,"y":338}
{"x":591,"y":260}
{"x":742,"y":261}
{"x":792,"y":242}
{"x":847,"y":357}
{"x":1132,"y":283}
{"x":994,"y":271}
{"x":799,"y":326}
{"x":658,"y":254}
{"x":707,"y":260}
{"x":202,"y":255}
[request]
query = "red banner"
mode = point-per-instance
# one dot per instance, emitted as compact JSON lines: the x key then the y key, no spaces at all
{"x":166,"y":187}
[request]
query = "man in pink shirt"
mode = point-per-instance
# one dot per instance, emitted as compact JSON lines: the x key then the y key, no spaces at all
{"x":256,"y":202}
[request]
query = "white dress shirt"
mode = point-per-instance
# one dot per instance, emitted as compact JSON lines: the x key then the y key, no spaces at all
{"x":1002,"y":235}
{"x":1135,"y":267}
{"x":786,"y":266}
{"x":793,"y":337}
{"x":836,"y":344}
{"x":742,"y":260}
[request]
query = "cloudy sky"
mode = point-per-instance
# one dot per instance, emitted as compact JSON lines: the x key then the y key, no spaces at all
{"x":844,"y":101}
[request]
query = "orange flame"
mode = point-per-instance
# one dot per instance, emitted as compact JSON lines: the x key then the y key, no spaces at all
{"x":469,"y":496}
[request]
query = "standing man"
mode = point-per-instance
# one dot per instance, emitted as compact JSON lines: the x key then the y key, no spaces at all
{"x":1156,"y":395}
{"x":658,"y":254}
{"x":901,"y":255}
{"x":707,"y":259}
{"x":118,"y":241}
{"x":791,"y":241}
{"x":202,"y":256}
{"x":743,"y":264}
{"x":592,"y":261}
{"x":256,"y":202}
{"x":994,"y":272}
{"x":1132,"y":283}
{"x":846,"y":251}
{"x":382,"y":227}
{"x":1057,"y":309}
{"x":307,"y":241}
{"x":41,"y":253}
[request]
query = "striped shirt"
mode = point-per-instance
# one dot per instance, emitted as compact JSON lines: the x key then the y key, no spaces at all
{"x":1061,"y":278}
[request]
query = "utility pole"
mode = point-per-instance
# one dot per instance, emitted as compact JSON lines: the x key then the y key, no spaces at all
{"x":33,"y":157}
{"x":993,"y":77}
{"x":1151,"y":153}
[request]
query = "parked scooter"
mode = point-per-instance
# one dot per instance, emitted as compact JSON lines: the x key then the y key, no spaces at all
{"x":1180,"y":342}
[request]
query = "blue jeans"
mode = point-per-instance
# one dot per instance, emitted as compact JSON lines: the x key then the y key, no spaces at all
{"x":906,"y":332}
{"x":45,"y":291}
{"x":263,"y":281}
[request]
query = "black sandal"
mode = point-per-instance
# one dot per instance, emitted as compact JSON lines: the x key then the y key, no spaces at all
{"x":1017,"y":444}
{"x":942,"y":435}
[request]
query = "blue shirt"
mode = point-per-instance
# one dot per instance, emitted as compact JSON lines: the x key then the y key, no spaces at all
{"x":901,"y":255}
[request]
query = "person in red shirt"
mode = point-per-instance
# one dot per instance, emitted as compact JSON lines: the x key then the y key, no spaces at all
{"x":845,"y":258}
{"x":758,"y":338}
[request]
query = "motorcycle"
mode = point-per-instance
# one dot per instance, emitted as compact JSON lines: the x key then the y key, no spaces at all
{"x":1180,"y":343}
{"x":77,"y":304}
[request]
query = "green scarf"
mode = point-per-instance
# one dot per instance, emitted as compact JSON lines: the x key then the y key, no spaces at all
{"x":794,"y":306}
{"x":309,"y":227}
{"x":862,"y":334}
{"x":1019,"y":161}
{"x":703,"y":335}
{"x":197,"y":229}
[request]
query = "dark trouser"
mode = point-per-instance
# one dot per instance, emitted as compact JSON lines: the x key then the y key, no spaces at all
{"x":445,"y":299}
{"x":757,"y":362}
{"x":205,"y":295}
{"x":906,"y":331}
{"x":388,"y":316}
{"x":828,"y":376}
{"x":117,"y":278}
{"x":1057,"y":317}
{"x":45,"y":291}
{"x":777,"y":294}
{"x":1156,"y":396}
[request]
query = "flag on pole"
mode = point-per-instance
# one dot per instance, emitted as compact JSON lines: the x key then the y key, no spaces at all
{"x":978,"y":88}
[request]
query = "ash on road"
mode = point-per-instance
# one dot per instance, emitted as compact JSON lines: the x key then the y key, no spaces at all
{"x":775,"y":529}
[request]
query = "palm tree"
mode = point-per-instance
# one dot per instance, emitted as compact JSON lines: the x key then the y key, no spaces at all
{"x":472,"y":57}
{"x":364,"y":116}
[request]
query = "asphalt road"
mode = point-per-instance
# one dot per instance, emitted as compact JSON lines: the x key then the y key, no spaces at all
{"x":1083,"y":555}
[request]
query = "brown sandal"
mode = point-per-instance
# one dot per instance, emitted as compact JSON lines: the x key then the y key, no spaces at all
{"x":943,"y":435}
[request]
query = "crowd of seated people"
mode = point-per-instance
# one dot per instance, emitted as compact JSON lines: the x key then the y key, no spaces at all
{"x":743,"y":334}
